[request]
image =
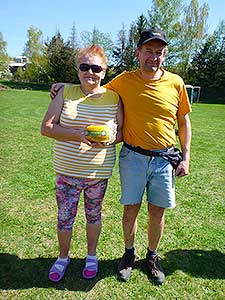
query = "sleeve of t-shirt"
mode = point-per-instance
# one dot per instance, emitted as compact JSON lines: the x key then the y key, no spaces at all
{"x":184,"y":103}
{"x":116,"y":84}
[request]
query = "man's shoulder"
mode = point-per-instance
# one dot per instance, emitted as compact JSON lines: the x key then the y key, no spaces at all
{"x":173,"y":76}
{"x":71,"y":90}
{"x":125,"y":74}
{"x":120,"y":81}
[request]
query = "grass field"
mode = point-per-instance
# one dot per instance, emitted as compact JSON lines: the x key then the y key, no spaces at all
{"x":192,"y":248}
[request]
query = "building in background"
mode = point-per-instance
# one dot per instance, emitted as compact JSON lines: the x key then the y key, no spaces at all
{"x":19,"y":62}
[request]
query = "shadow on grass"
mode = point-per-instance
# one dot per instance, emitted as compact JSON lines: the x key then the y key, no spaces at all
{"x":197,"y":263}
{"x":16,"y":273}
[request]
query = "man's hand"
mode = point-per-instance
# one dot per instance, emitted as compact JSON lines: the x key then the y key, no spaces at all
{"x":182,"y":169}
{"x":55,"y":89}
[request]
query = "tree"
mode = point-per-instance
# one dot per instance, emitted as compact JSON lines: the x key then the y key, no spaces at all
{"x":165,"y":14}
{"x":37,"y":71}
{"x":73,"y":37}
{"x":140,"y":25}
{"x":207,"y":68}
{"x":3,"y":44}
{"x":130,"y":61}
{"x":99,"y":38}
{"x":34,"y":49}
{"x":119,"y":51}
{"x":4,"y":59}
{"x":134,"y":34}
{"x":185,"y":27}
{"x":34,"y":44}
{"x":124,"y":52}
{"x":18,"y":75}
{"x":61,"y":60}
{"x":192,"y":32}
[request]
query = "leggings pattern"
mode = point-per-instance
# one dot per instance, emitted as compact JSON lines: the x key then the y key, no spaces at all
{"x":68,"y":190}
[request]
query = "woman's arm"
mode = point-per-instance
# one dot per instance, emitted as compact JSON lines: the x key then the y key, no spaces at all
{"x":51,"y":127}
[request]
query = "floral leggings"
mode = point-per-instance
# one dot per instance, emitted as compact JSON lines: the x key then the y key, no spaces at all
{"x":68,"y":190}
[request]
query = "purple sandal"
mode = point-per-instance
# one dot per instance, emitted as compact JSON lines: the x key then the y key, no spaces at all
{"x":91,"y":268}
{"x":58,"y":270}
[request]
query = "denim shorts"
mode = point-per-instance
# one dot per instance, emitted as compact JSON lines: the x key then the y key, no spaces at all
{"x":140,"y":173}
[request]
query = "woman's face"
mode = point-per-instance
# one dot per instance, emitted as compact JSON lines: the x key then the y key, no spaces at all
{"x":88,"y":70}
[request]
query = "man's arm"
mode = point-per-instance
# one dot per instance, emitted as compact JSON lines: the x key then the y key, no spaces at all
{"x":119,"y":117}
{"x":184,"y":133}
{"x":55,"y":88}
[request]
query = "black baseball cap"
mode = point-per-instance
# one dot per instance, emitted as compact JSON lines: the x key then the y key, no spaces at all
{"x":152,"y":34}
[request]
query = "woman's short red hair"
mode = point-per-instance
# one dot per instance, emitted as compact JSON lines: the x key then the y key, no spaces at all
{"x":93,"y":50}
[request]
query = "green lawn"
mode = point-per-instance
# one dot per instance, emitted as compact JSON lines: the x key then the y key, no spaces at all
{"x":192,"y":248}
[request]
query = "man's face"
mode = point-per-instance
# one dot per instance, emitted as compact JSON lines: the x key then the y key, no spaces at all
{"x":151,"y":56}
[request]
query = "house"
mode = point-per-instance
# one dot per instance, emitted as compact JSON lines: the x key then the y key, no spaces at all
{"x":19,"y":62}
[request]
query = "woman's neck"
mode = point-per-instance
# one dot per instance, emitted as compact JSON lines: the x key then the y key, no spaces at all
{"x":90,"y":91}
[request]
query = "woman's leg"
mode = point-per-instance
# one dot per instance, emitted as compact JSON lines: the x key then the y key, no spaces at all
{"x":93,"y":198}
{"x":93,"y":232}
{"x":67,"y":195}
{"x":64,"y":239}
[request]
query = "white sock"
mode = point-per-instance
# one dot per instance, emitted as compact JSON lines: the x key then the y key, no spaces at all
{"x":92,"y":257}
{"x":62,"y":259}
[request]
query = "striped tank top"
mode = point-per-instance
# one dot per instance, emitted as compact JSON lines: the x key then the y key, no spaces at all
{"x":77,"y":159}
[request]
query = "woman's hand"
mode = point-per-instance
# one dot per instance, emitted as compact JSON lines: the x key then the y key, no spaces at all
{"x":82,"y":133}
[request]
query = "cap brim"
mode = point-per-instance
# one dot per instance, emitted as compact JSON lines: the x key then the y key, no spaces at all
{"x":154,"y":38}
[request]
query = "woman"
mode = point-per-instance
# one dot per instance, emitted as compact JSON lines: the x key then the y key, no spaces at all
{"x":80,"y":164}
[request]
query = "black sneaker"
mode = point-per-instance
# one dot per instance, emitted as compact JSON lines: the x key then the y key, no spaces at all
{"x":155,"y":269}
{"x":125,"y":266}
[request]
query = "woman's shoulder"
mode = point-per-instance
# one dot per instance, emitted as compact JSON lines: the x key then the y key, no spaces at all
{"x":112,"y":95}
{"x":71,"y":90}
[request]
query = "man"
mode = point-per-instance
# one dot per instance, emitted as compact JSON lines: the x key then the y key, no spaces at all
{"x":153,"y":99}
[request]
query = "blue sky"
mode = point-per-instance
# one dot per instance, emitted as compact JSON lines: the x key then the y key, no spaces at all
{"x":16,"y":16}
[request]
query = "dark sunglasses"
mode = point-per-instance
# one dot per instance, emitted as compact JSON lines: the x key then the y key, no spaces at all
{"x":94,"y":68}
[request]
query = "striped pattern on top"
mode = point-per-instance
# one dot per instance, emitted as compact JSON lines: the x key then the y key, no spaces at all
{"x":76,"y":159}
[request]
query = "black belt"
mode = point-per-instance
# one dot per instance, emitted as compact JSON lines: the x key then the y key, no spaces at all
{"x":143,"y":151}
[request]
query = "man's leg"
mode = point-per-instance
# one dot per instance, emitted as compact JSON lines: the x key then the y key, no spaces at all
{"x":155,"y":225}
{"x":129,"y":231}
{"x":133,"y":177}
{"x":160,"y":195}
{"x":129,"y":222}
{"x":155,"y":231}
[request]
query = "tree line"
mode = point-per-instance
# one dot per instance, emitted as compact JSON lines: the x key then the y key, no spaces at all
{"x":197,"y":56}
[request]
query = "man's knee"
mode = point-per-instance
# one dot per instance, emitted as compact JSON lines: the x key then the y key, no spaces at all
{"x":131,"y":211}
{"x":156,"y":213}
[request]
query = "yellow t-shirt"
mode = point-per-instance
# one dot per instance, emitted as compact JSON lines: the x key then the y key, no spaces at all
{"x":77,"y":159}
{"x":150,"y":108}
